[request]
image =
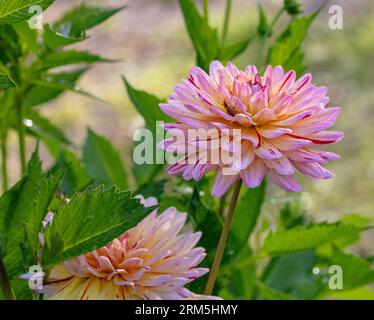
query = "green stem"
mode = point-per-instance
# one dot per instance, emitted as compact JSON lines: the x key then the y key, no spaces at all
{"x":205,"y":10}
{"x":21,"y":134}
{"x":222,"y":203}
{"x":222,"y":241}
{"x":226,"y":21}
{"x":266,"y":36}
{"x":4,"y":157}
{"x":4,"y":282}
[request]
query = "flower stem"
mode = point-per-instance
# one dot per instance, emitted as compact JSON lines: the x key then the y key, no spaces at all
{"x":4,"y":156}
{"x":226,"y":21}
{"x":21,"y":135}
{"x":223,"y":239}
{"x":205,"y":10}
{"x":4,"y":282}
{"x":268,"y":33}
{"x":222,"y":204}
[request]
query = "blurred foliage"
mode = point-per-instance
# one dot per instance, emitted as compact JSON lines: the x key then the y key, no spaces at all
{"x":268,"y":256}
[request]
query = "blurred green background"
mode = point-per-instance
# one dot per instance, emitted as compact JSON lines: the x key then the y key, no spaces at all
{"x":150,"y":39}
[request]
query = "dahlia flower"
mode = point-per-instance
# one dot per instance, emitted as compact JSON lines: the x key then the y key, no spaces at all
{"x":150,"y":261}
{"x":280,"y":120}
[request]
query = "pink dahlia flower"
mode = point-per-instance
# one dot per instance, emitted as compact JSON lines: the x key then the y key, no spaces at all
{"x":280,"y":119}
{"x":150,"y":261}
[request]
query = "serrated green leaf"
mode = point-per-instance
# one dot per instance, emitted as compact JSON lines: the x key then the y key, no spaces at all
{"x":84,"y":17}
{"x":103,"y":161}
{"x":22,"y":210}
{"x":203,"y":37}
{"x":357,"y":271}
{"x":69,"y":57}
{"x":38,"y":93}
{"x":89,"y":221}
{"x":12,"y":11}
{"x":292,"y":274}
{"x":268,"y":293}
{"x":6,"y":81}
{"x":54,"y":39}
{"x":303,"y":238}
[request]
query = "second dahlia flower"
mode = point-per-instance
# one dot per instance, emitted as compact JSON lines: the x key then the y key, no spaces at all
{"x":148,"y":262}
{"x":280,"y":119}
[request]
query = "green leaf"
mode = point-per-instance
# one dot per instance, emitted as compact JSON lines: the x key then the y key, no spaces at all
{"x":38,"y":93}
{"x":54,"y":39}
{"x":103,"y":161}
{"x":152,"y":189}
{"x":268,"y":293}
{"x":10,"y":47}
{"x":203,"y":37}
{"x":363,"y":293}
{"x":302,"y":238}
{"x":6,"y":82}
{"x":22,"y":210}
{"x":357,"y":271}
{"x":230,"y":52}
{"x":58,"y":85}
{"x":76,"y":178}
{"x":201,"y":217}
{"x":84,"y":17}
{"x":13,"y":11}
{"x":147,"y":105}
{"x":63,"y":58}
{"x":357,"y":220}
{"x":292,"y":274}
{"x":288,"y":44}
{"x":28,"y":36}
{"x":21,"y":289}
{"x":89,"y":221}
{"x":263,"y":28}
{"x":246,"y":214}
{"x":236,"y":273}
{"x":146,"y":173}
{"x":296,"y":63}
{"x":43,"y":128}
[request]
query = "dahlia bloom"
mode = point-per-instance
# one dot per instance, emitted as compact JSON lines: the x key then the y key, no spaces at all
{"x":280,"y":120}
{"x":150,"y":261}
